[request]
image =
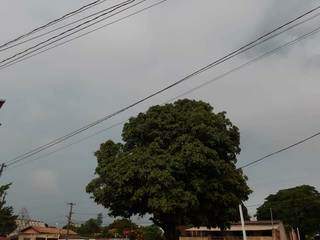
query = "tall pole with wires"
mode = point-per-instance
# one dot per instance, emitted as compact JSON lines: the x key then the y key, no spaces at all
{"x":69,"y":219}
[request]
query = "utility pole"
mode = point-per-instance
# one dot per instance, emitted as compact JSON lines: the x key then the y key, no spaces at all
{"x":69,"y":219}
{"x":242,"y":223}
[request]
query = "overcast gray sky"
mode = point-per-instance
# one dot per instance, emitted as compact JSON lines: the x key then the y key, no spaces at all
{"x":275,"y":102}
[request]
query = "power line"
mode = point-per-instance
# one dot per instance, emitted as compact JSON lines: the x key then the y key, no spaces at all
{"x":55,"y":21}
{"x":80,"y":130}
{"x":58,"y":28}
{"x":52,"y":143}
{"x":37,"y":52}
{"x":290,"y":200}
{"x":229,"y":55}
{"x":67,"y":32}
{"x":70,"y":145}
{"x":256,"y":162}
{"x":255,"y":59}
{"x":290,"y":43}
{"x":58,"y":140}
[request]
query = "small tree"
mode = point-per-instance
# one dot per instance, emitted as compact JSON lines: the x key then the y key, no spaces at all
{"x":297,"y":207}
{"x":91,"y":227}
{"x":152,"y":232}
{"x":177,"y":163}
{"x":7,"y":218}
{"x":120,"y":226}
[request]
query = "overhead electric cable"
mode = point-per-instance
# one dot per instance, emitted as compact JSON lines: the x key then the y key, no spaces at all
{"x":292,"y":42}
{"x":69,"y":145}
{"x":58,"y":28}
{"x":229,"y":55}
{"x":67,"y":32}
{"x":53,"y":142}
{"x":37,"y":52}
{"x":65,"y":137}
{"x":288,"y":200}
{"x":193,"y":89}
{"x":67,"y":15}
{"x":260,"y":160}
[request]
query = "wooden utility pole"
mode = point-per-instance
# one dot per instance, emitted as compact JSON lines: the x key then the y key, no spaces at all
{"x":69,"y":219}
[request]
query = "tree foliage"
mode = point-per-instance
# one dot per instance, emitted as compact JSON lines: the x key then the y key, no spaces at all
{"x":122,"y":224}
{"x":297,"y":207}
{"x":7,"y":217}
{"x":177,"y":163}
{"x":91,"y":227}
{"x":152,"y":232}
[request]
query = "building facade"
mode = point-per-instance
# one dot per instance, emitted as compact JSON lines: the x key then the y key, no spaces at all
{"x":24,"y":223}
{"x":43,"y":233}
{"x":255,"y":230}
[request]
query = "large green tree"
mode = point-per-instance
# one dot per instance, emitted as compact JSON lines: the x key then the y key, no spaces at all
{"x":7,"y":217}
{"x":177,"y":163}
{"x":297,"y":207}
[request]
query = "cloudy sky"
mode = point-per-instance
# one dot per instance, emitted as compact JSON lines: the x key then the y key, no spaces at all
{"x":275,"y":101}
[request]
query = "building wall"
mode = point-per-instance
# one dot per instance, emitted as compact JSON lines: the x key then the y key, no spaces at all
{"x":38,"y":236}
{"x":22,"y":224}
{"x":225,"y":238}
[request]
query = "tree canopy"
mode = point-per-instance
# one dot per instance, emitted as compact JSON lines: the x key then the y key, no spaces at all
{"x":91,"y":227}
{"x":7,"y":218}
{"x":297,"y":207}
{"x":152,"y":232}
{"x":177,"y":163}
{"x":123,"y":228}
{"x":122,"y":224}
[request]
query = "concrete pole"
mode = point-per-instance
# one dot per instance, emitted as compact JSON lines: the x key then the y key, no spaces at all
{"x":242,"y":223}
